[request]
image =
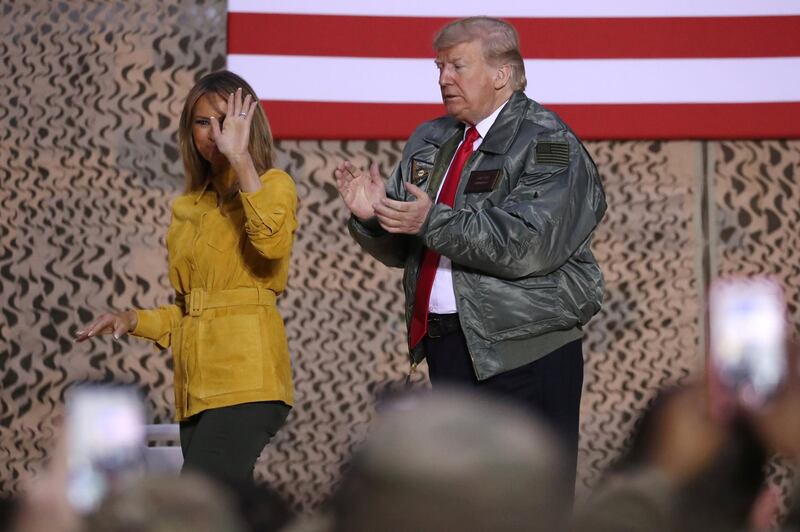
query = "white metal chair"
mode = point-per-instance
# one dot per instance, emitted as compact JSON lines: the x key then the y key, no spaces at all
{"x":166,"y":455}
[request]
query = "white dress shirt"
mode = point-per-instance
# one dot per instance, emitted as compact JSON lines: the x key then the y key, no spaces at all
{"x":443,"y":298}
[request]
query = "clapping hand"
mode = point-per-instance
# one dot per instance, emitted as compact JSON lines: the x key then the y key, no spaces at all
{"x":359,"y":190}
{"x":404,"y":217}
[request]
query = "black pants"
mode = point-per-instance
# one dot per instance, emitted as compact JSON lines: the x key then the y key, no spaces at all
{"x":226,"y":442}
{"x":549,"y":387}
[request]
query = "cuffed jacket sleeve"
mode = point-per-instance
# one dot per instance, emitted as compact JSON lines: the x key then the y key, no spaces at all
{"x":270,"y":218}
{"x":388,"y":248}
{"x":544,"y":220}
{"x":157,"y":324}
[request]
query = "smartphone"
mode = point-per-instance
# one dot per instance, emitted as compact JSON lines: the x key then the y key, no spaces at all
{"x":747,"y":329}
{"x":105,"y":441}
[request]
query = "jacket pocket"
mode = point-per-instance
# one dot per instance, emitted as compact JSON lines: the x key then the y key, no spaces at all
{"x":520,"y":308}
{"x":223,"y":243}
{"x":230,"y":357}
{"x":227,"y":233}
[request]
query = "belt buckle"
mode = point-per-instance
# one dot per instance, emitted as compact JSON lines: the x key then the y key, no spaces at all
{"x":434,"y":327}
{"x":196,"y":302}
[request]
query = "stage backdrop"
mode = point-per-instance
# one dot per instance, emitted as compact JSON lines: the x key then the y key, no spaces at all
{"x":88,"y":167}
{"x":613,"y":69}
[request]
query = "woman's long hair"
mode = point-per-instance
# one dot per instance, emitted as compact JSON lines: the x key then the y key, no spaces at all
{"x":223,"y":83}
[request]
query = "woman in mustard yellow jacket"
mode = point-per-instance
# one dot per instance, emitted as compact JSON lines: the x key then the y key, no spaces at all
{"x":229,"y":244}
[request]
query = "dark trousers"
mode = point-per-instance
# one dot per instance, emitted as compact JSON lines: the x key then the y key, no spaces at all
{"x":226,"y":442}
{"x":549,"y":387}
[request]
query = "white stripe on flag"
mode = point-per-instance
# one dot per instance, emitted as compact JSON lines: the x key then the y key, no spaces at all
{"x":572,"y":81}
{"x":516,"y":8}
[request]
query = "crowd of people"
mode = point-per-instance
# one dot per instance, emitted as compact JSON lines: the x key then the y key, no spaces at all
{"x":454,"y":459}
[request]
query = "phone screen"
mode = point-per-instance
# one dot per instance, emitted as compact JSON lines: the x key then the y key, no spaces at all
{"x":105,"y":437}
{"x":747,"y":325}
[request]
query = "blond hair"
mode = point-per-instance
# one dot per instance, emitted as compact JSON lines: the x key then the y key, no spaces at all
{"x":223,"y":83}
{"x":499,"y":40}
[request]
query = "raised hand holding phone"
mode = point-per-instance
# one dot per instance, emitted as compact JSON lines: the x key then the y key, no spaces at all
{"x":747,"y":327}
{"x":105,"y":441}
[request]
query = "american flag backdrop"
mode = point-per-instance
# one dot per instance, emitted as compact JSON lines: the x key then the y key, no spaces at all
{"x":613,"y":69}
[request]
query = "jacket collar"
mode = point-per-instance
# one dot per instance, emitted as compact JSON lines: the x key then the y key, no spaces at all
{"x":446,"y":128}
{"x":505,"y":128}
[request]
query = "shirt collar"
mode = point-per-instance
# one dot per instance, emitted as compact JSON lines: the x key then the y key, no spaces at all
{"x":202,"y":191}
{"x":486,"y":124}
{"x":208,"y":184}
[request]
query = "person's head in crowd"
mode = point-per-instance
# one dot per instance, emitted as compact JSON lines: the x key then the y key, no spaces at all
{"x":778,"y":425}
{"x":185,"y":503}
{"x":723,"y":494}
{"x":480,"y":66}
{"x":8,"y":509}
{"x":209,"y":97}
{"x":716,"y":467}
{"x":452,"y":460}
{"x":642,"y":438}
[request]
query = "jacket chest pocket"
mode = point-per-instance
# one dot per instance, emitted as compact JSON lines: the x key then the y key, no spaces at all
{"x":485,"y":187}
{"x":419,"y":171}
{"x":223,"y":245}
{"x":230,"y":355}
{"x":224,"y":233}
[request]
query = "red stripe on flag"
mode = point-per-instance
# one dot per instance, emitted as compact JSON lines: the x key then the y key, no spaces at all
{"x":564,"y":38}
{"x":315,"y":120}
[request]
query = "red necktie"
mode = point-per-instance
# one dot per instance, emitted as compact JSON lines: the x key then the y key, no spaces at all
{"x":430,"y":259}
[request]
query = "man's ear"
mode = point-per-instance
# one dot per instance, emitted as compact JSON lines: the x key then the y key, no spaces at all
{"x":502,"y":77}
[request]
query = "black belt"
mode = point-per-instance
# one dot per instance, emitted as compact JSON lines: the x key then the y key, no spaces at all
{"x":442,"y":324}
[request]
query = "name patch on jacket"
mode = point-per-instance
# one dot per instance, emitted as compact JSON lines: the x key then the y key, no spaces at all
{"x":420,"y":170}
{"x":482,"y":180}
{"x":556,"y":153}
